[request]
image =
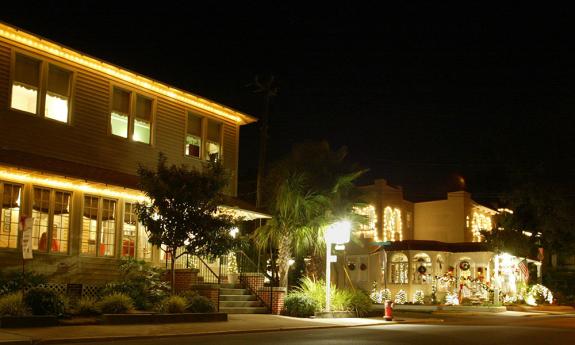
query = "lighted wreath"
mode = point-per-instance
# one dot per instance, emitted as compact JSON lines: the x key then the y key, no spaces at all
{"x":363,"y":267}
{"x":351,"y":266}
{"x":464,"y":265}
{"x":421,"y":269}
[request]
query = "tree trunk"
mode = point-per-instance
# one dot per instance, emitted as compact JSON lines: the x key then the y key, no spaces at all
{"x":173,"y":265}
{"x":284,"y":254}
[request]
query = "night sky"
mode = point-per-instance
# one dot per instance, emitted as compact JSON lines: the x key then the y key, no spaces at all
{"x":420,"y":94}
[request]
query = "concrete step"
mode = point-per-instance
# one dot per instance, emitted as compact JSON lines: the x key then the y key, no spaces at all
{"x":238,"y":298}
{"x":234,"y":292}
{"x":244,"y":310}
{"x":231,"y":286}
{"x":238,"y":304}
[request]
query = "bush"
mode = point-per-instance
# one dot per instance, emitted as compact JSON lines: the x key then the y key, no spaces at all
{"x":142,"y":282}
{"x":172,"y":305}
{"x":14,"y":281}
{"x":298,"y":304}
{"x":188,"y":295}
{"x":314,"y":289}
{"x":13,"y":305}
{"x":87,"y":306}
{"x":116,"y":304}
{"x":200,"y":304}
{"x":43,"y":301}
{"x":359,"y":302}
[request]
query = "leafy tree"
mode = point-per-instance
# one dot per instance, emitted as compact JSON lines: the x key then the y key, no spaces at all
{"x":509,"y":238}
{"x":183,"y":210}
{"x":306,"y":191}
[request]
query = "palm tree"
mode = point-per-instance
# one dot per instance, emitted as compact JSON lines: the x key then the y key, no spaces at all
{"x":307,"y":191}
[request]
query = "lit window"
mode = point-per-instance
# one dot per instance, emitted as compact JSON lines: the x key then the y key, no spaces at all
{"x":422,"y":272}
{"x":9,"y":214}
{"x":213,"y":143}
{"x":51,"y":214}
{"x":98,"y":227}
{"x":134,"y":236}
{"x":392,"y":225}
{"x":398,"y":269}
{"x":57,"y":94}
{"x":193,"y":136}
{"x":26,"y":84}
{"x":142,"y":120}
{"x":125,"y":118}
{"x":480,"y":223}
{"x":120,"y":112}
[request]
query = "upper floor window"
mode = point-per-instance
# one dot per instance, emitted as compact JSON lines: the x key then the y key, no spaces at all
{"x":213,"y":144}
{"x":392,"y":225}
{"x":9,"y":214}
{"x":193,"y":136}
{"x":98,"y":226}
{"x":51,"y":214}
{"x":27,"y":88}
{"x":131,"y":115}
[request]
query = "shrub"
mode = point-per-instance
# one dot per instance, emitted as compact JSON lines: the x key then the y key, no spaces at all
{"x":43,"y":301}
{"x":188,"y":295}
{"x":200,"y":304}
{"x":87,"y":306}
{"x":14,"y":281}
{"x":172,"y":305}
{"x":141,"y":281}
{"x":314,"y":289}
{"x":359,"y":302}
{"x":418,"y":297}
{"x":298,"y":304}
{"x":539,"y":294}
{"x":116,"y":304}
{"x":400,"y":297}
{"x":13,"y":305}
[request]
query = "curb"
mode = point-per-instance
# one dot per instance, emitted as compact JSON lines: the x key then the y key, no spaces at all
{"x":198,"y":334}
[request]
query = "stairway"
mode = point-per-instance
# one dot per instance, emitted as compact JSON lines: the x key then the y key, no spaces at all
{"x":234,"y":299}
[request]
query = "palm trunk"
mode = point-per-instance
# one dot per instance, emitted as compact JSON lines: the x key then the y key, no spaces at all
{"x":284,"y":254}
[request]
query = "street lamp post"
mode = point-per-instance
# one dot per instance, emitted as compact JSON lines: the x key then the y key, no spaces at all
{"x":337,"y":233}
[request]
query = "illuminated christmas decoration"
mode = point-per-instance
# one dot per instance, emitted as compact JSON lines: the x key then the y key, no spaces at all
{"x":392,"y":225}
{"x":400,"y":297}
{"x":480,"y":222}
{"x":369,"y":229}
{"x":418,"y":297}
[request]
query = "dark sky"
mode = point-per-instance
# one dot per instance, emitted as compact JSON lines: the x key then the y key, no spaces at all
{"x":420,"y":94}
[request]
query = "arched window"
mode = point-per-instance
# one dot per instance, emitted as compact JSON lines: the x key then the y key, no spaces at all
{"x":439,"y":267}
{"x":392,"y":225}
{"x":398,"y":269}
{"x":422,"y":270}
{"x":478,"y":223}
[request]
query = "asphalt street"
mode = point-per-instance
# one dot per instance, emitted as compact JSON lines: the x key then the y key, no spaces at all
{"x":445,"y":330}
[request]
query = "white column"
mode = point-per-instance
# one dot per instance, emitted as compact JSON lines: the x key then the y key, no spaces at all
{"x":327,"y":276}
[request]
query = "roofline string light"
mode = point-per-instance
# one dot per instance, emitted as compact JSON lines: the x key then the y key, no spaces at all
{"x":141,"y":81}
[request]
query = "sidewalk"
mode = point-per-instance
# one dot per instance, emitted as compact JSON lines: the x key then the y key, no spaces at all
{"x":236,"y":323}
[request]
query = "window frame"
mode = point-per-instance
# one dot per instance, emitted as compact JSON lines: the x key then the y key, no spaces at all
{"x":133,"y":93}
{"x":100,"y":227}
{"x":20,"y":207}
{"x":203,"y":123}
{"x":138,"y":228}
{"x":50,"y":225}
{"x":43,"y":85}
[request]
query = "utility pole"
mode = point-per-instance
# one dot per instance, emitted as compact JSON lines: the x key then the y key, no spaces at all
{"x":269,"y":90}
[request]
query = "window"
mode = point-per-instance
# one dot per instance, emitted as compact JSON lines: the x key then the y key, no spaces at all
{"x":57,"y":94}
{"x":127,"y":119}
{"x":51,"y":213}
{"x":392,"y":225}
{"x":422,"y":272}
{"x":10,"y":214}
{"x":480,"y":222}
{"x":398,"y":269}
{"x":213,"y":143}
{"x":135,"y":238}
{"x":98,"y":226}
{"x":193,"y":136}
{"x":27,"y":86}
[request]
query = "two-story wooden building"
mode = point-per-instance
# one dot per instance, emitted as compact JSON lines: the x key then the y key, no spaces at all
{"x":73,"y":131}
